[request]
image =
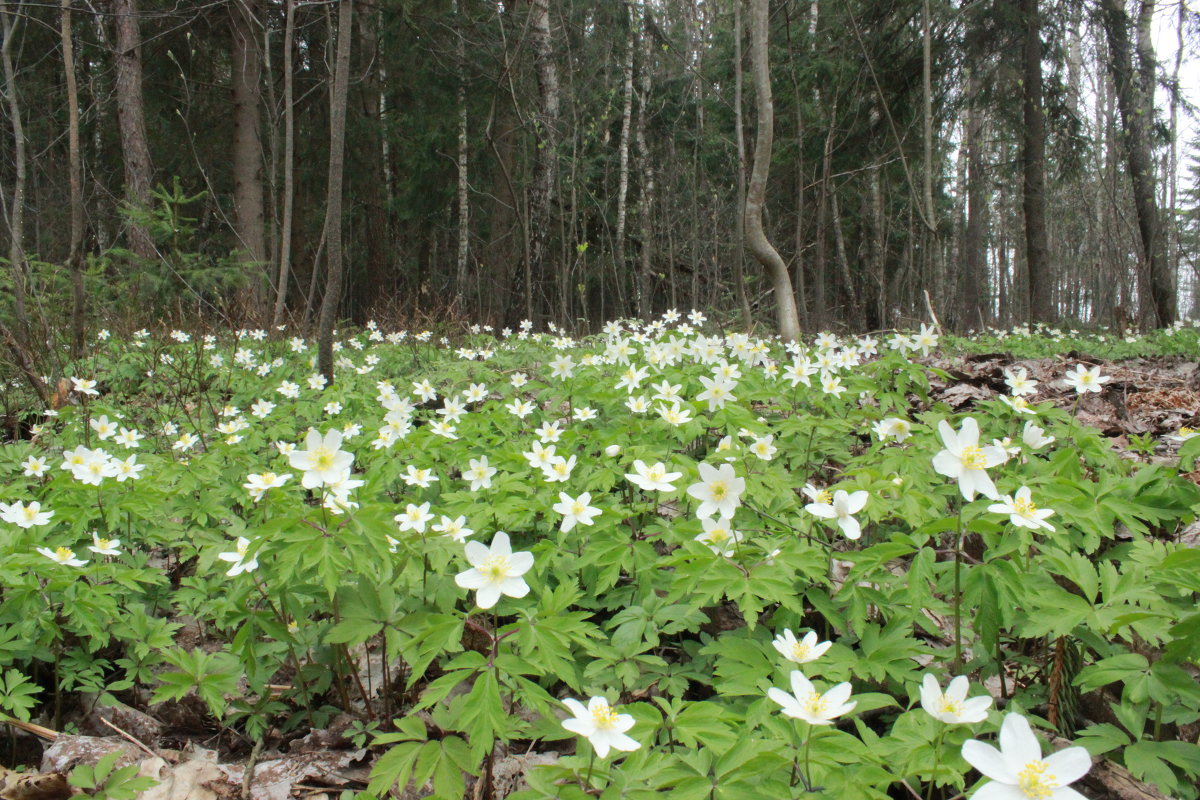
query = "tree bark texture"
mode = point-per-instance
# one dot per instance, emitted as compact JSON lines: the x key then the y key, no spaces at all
{"x":246,"y":151}
{"x":333,"y":200}
{"x":1033,"y":164}
{"x":74,"y":180}
{"x":131,"y":118}
{"x":646,"y":192}
{"x":623,"y":144}
{"x":16,"y":215}
{"x":289,"y":166}
{"x":1160,"y":306}
{"x":757,"y":243}
{"x":974,"y":241}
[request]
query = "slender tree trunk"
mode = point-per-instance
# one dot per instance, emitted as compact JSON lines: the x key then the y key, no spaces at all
{"x":854,"y":312}
{"x":645,"y":304}
{"x":787,"y":319}
{"x":339,"y":95}
{"x":464,"y":207}
{"x":1133,"y":98}
{"x":373,"y":280}
{"x":1172,"y":156}
{"x":974,"y":242}
{"x":531,"y":288}
{"x":1033,"y":159}
{"x":739,"y":270}
{"x":246,"y":147}
{"x":131,"y":117}
{"x":619,"y":268}
{"x":75,"y":180}
{"x":16,"y":217}
{"x":289,"y":166}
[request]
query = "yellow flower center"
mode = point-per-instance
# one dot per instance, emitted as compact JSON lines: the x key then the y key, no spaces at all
{"x":718,"y":489}
{"x":604,"y":716}
{"x":800,"y":651}
{"x":578,"y":508}
{"x":718,"y":535}
{"x":948,"y":705}
{"x":63,"y":554}
{"x":1035,"y":782}
{"x":495,"y":567}
{"x":241,"y":549}
{"x":323,"y":458}
{"x":1025,"y":508}
{"x":972,"y":457}
{"x":103,"y":544}
{"x":815,"y":704}
{"x":824,"y":496}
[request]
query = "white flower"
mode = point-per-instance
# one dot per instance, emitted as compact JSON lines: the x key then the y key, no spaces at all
{"x":558,"y":469}
{"x":26,"y":516}
{"x":720,"y":536}
{"x":257,"y":485}
{"x":418,"y":477}
{"x":103,"y":427}
{"x":842,"y":508}
{"x":322,"y":461}
{"x":896,"y":428}
{"x":953,"y":706}
{"x":575,"y":510}
{"x":964,"y":460}
{"x":414,"y":517}
{"x":34,"y":466}
{"x":764,"y":447}
{"x":600,"y":725}
{"x":1017,"y":769}
{"x":800,"y":651}
{"x":717,"y":391}
{"x":455,"y":529}
{"x":62,"y":555}
{"x":1034,"y":437}
{"x":613,"y":450}
{"x":495,"y":570}
{"x":84,"y":386}
{"x":479,"y":473}
{"x":1018,"y":404}
{"x":806,"y":703}
{"x":1019,"y":382}
{"x":1084,"y":380}
{"x":719,"y":490}
{"x":1022,"y":511}
{"x":654,"y":478}
{"x":238,"y":558}
{"x":127,"y":469}
{"x":104,"y":547}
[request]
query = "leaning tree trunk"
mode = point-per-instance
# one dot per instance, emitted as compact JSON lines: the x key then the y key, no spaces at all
{"x":131,"y":118}
{"x":1033,"y":160}
{"x":246,"y":148}
{"x":333,"y":197}
{"x":1132,"y":103}
{"x":756,"y":239}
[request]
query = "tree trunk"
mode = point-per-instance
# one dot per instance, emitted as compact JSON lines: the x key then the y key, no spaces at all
{"x":1133,"y":98}
{"x":246,"y":150}
{"x":974,"y":241}
{"x":16,"y":219}
{"x":373,"y":280}
{"x":333,"y":199}
{"x":619,"y":268}
{"x":289,"y":166}
{"x":1033,"y":161}
{"x":645,"y":305}
{"x":787,"y":319}
{"x":460,"y":161}
{"x":131,"y":117}
{"x":530,"y":288}
{"x":75,"y":180}
{"x":739,"y":269}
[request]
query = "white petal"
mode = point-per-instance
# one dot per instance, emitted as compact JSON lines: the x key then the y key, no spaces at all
{"x":989,"y":761}
{"x":949,"y":437}
{"x":520,"y":563}
{"x":800,"y":684}
{"x":931,"y":693}
{"x":1069,"y":765}
{"x":957,"y":689}
{"x":514,"y":587}
{"x":477,"y":553}
{"x":471,"y":579}
{"x":501,"y":545}
{"x":969,"y":434}
{"x":998,"y":791}
{"x":850,"y":527}
{"x":856,"y":501}
{"x":1018,"y":742}
{"x":487,"y":596}
{"x":948,"y":464}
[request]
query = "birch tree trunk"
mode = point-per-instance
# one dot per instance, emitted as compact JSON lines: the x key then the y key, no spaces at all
{"x":619,"y":268}
{"x":464,"y":207}
{"x":333,"y":199}
{"x":739,"y":269}
{"x":646,"y":192}
{"x":787,"y":320}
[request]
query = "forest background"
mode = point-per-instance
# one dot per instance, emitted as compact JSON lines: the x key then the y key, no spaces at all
{"x":284,"y":161}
